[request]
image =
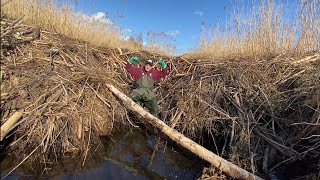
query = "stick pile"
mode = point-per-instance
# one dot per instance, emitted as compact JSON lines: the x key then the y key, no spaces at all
{"x":58,"y":84}
{"x":255,"y":113}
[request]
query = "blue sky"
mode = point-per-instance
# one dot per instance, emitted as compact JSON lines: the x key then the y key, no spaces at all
{"x":181,"y":20}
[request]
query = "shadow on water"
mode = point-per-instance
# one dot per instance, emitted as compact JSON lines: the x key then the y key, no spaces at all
{"x":125,"y":155}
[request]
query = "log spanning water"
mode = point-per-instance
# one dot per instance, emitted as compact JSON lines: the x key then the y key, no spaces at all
{"x":218,"y":162}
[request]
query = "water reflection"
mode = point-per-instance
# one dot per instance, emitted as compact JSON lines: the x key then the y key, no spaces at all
{"x":133,"y":151}
{"x":125,"y":155}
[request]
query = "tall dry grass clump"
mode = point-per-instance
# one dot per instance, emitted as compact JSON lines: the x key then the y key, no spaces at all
{"x":160,"y":42}
{"x":60,"y":17}
{"x":265,"y":31}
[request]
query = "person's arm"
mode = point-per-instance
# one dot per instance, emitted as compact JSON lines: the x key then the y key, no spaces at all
{"x":135,"y":72}
{"x":159,"y":74}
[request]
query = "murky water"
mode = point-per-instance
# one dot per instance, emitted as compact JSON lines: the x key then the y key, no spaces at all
{"x":125,"y":155}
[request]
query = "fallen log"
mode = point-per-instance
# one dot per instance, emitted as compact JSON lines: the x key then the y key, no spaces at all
{"x":218,"y":162}
{"x":6,"y":127}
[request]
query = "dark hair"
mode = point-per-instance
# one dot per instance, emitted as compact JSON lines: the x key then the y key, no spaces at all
{"x":149,"y":61}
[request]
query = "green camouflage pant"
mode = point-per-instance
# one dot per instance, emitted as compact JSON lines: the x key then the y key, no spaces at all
{"x":146,"y":98}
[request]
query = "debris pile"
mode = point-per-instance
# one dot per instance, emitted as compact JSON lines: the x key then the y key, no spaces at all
{"x":254,"y":113}
{"x":59,"y":85}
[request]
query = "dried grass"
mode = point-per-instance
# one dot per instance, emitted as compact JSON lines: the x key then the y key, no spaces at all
{"x":60,"y":17}
{"x":262,"y":30}
{"x":63,"y":94}
{"x":251,"y":105}
{"x":256,"y":105}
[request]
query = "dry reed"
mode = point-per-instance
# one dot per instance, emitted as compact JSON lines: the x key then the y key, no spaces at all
{"x":255,"y":106}
{"x":244,"y":107}
{"x":60,"y":17}
{"x":59,"y":83}
{"x":262,"y":31}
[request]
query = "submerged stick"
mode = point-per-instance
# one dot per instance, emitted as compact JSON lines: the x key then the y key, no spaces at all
{"x":155,"y":150}
{"x":218,"y":162}
{"x":6,"y":127}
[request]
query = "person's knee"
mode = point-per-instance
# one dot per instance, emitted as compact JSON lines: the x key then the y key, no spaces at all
{"x":134,"y":96}
{"x":155,"y":111}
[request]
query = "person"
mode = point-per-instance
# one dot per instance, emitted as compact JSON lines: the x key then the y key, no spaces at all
{"x":145,"y":78}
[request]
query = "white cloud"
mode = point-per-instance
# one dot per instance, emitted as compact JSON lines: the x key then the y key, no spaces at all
{"x":198,"y":13}
{"x":99,"y":16}
{"x":102,"y":17}
{"x":172,"y":33}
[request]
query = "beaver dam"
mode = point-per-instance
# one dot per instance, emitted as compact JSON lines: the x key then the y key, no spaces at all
{"x":262,"y":115}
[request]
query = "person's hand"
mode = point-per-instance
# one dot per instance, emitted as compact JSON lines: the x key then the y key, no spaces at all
{"x":162,"y":63}
{"x":133,"y":59}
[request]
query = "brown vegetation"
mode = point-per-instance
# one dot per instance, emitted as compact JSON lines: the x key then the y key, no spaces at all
{"x":61,"y":19}
{"x":59,"y":84}
{"x":259,"y":108}
{"x":249,"y":109}
{"x":262,"y":31}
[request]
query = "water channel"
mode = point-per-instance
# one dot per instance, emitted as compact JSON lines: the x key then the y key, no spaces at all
{"x":124,"y":155}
